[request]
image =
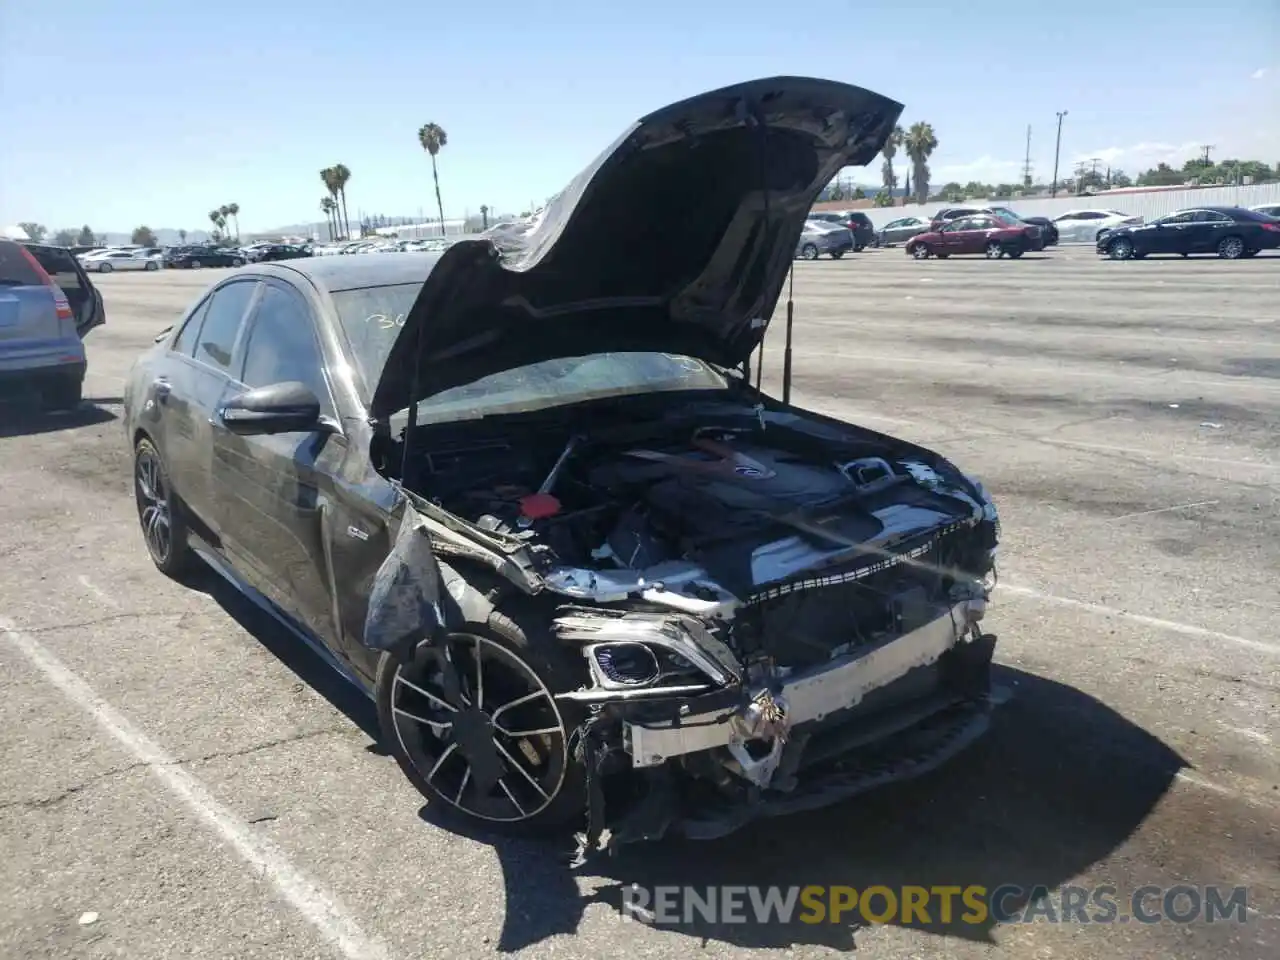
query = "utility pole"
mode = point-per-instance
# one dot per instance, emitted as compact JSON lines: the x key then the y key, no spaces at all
{"x":1056,"y":150}
{"x":1204,"y":153}
{"x":1026,"y":163}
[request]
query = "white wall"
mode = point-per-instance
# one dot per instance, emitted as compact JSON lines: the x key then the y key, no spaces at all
{"x":1148,"y":205}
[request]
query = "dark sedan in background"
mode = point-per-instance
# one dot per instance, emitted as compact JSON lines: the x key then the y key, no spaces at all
{"x":1228,"y":232}
{"x":856,"y":222}
{"x":282,"y":251}
{"x":193,"y":258}
{"x":982,"y":233}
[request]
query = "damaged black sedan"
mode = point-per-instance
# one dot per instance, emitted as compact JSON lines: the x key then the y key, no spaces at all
{"x":527,"y":496}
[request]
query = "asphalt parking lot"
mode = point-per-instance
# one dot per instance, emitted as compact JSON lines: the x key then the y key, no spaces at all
{"x":180,"y":779}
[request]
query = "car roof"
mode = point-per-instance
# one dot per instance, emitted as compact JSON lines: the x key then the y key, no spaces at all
{"x":349,"y":273}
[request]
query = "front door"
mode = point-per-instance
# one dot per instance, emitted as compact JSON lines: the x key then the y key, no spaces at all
{"x":273,"y":493}
{"x":188,"y":398}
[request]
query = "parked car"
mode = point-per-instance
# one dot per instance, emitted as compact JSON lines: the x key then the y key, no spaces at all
{"x":900,"y":231}
{"x":282,"y":251}
{"x":857,"y":223}
{"x":984,"y":233}
{"x":1048,"y":232}
{"x":587,"y":575}
{"x":111,"y":260}
{"x":819,"y":237}
{"x":47,"y":305}
{"x":1010,"y":219}
{"x":1229,"y":232}
{"x":193,"y":258}
{"x":1088,"y":226}
{"x":1270,"y":209}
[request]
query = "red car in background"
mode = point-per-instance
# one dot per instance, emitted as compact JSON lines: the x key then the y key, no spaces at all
{"x":983,"y":233}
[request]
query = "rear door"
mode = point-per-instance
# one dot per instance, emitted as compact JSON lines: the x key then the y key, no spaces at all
{"x":1207,"y":230}
{"x":66,"y":272}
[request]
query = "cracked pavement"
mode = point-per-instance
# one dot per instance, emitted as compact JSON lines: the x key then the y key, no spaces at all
{"x":1126,"y":416}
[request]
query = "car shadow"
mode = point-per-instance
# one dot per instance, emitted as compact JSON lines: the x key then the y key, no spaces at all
{"x":18,"y":419}
{"x":307,"y":665}
{"x":1020,"y":807}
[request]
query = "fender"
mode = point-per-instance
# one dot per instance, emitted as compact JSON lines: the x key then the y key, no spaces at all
{"x":414,"y":594}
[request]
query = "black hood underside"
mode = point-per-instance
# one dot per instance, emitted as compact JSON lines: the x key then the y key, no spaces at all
{"x":677,"y":238}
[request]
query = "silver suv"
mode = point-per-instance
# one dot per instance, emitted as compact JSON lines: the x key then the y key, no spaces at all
{"x":47,"y":305}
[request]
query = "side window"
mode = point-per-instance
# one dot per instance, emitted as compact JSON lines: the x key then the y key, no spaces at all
{"x":1179,"y":218}
{"x":282,"y":345}
{"x":1211,"y":216}
{"x":185,"y":342}
{"x":222,"y":322}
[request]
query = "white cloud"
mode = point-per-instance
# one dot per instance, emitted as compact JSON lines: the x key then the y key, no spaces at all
{"x":985,"y":169}
{"x":1259,"y":73}
{"x":1138,"y":157}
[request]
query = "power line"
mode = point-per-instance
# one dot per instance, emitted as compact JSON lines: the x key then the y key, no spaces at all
{"x":1026,"y":163}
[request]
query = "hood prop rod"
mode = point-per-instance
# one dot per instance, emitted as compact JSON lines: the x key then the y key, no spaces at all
{"x":786,"y":353}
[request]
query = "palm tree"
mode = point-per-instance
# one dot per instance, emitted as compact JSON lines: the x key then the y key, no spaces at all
{"x":340,"y":177}
{"x":329,"y":208}
{"x":484,"y":215}
{"x":329,"y":175}
{"x":888,"y":151}
{"x":218,"y":220}
{"x":433,"y":139}
{"x":234,"y":210}
{"x":182,"y":236}
{"x":226,"y":212}
{"x":920,"y":142}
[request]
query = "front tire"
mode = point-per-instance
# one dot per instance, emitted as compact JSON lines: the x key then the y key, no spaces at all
{"x":508,"y":723}
{"x":995,"y":250}
{"x":920,"y":251}
{"x":163,"y":528}
{"x":1120,"y":249}
{"x":809,"y":252}
{"x":237,"y":262}
{"x":105,"y":267}
{"x":1231,"y":248}
{"x":152,"y":265}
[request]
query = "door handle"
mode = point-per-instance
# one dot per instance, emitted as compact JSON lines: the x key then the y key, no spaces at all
{"x":161,"y":389}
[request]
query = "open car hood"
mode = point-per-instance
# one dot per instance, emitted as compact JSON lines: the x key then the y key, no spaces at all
{"x":677,"y":239}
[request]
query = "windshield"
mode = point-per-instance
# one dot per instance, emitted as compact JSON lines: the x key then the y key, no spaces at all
{"x":1005,"y":216}
{"x":372,"y":317}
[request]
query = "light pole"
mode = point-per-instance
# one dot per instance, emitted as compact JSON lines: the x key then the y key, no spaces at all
{"x":1053,"y":190}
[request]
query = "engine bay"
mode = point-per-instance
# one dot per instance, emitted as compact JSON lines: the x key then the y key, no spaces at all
{"x":737,"y":501}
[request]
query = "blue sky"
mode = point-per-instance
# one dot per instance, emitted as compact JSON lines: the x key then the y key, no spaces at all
{"x":153,"y":111}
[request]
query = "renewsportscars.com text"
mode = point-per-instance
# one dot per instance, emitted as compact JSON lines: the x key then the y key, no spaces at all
{"x":906,"y":905}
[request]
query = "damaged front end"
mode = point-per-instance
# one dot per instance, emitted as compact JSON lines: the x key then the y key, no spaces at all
{"x":868,"y":666}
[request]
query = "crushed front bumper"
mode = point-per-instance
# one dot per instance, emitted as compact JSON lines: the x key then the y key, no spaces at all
{"x":880,"y":715}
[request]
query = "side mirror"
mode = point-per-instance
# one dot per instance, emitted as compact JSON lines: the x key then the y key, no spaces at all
{"x":277,"y":408}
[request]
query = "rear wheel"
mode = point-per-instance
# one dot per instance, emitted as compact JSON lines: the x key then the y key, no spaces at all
{"x":809,"y":251}
{"x":237,"y":262}
{"x":995,"y":250}
{"x":105,"y":267}
{"x":152,"y":265}
{"x":163,"y":527}
{"x":1231,"y":248}
{"x":920,"y":251}
{"x":498,"y":752}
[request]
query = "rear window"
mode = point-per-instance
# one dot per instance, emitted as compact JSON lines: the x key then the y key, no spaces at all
{"x":16,"y":269}
{"x":860,"y":218}
{"x":61,"y":267}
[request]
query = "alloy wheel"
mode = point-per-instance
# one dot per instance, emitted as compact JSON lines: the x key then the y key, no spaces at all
{"x":153,"y":506}
{"x":809,"y":252}
{"x":994,"y":250}
{"x":1121,"y":249}
{"x":1231,"y":248}
{"x":497,"y":749}
{"x":920,"y":251}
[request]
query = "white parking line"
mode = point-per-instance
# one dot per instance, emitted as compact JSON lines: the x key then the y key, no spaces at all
{"x":1148,"y":513}
{"x":1174,"y":626}
{"x":101,"y":595}
{"x":318,"y":907}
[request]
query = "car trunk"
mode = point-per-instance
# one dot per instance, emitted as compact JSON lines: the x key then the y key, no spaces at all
{"x":86,"y":302}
